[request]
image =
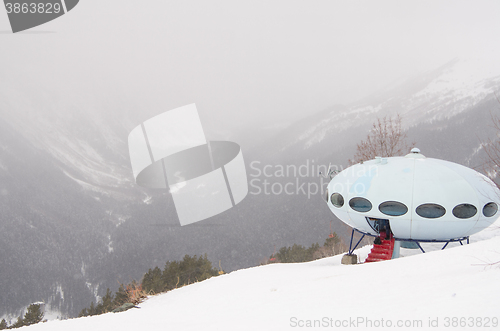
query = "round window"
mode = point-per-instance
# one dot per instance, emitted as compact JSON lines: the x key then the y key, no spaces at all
{"x":393,"y":208}
{"x":337,"y":200}
{"x":430,"y":210}
{"x":360,"y":204}
{"x":464,"y":210}
{"x":490,"y":209}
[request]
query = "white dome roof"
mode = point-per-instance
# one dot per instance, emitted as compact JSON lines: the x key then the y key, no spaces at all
{"x":433,"y":191}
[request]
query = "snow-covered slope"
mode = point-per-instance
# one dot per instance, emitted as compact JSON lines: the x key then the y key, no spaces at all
{"x":85,"y":134}
{"x":438,"y":94}
{"x":437,"y":287}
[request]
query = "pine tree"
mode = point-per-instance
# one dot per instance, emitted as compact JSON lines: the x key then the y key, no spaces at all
{"x":83,"y":313}
{"x":334,"y":240}
{"x":106,"y":305}
{"x":205,"y":269}
{"x":152,"y":281}
{"x":3,"y":324}
{"x":296,"y":253}
{"x":189,"y":270}
{"x":107,"y":302}
{"x":170,"y":277}
{"x":186,"y":268}
{"x":99,"y":309}
{"x":19,"y":322}
{"x":91,"y":309}
{"x":121,"y":296}
{"x":33,"y":315}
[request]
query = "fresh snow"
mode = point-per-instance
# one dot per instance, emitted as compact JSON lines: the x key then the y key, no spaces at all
{"x":460,"y":282}
{"x":465,"y":79}
{"x":448,"y":91}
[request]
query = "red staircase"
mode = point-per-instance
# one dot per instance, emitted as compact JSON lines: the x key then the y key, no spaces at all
{"x":383,"y":251}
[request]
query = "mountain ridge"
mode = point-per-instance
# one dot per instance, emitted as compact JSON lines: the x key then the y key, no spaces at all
{"x":72,"y":175}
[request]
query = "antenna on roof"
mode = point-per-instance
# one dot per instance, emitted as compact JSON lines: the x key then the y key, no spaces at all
{"x":331,"y":173}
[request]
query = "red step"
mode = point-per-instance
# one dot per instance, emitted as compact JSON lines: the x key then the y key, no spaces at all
{"x":383,"y":251}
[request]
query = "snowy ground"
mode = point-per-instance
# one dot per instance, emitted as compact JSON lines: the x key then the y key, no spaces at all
{"x":453,"y":289}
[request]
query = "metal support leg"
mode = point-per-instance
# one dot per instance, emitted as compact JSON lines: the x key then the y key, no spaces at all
{"x":357,"y":243}
{"x":445,"y":245}
{"x":418,"y":244}
{"x":397,"y":247}
{"x":350,"y":244}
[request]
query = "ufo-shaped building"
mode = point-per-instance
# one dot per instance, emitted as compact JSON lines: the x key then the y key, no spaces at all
{"x":416,"y":198}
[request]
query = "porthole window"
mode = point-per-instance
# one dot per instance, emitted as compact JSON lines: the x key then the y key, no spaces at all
{"x":430,"y":210}
{"x":393,"y":208}
{"x":490,"y":209}
{"x":360,"y":204}
{"x":337,"y":200}
{"x":464,"y":210}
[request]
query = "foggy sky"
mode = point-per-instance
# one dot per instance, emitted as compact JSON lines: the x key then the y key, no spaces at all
{"x":245,"y":64}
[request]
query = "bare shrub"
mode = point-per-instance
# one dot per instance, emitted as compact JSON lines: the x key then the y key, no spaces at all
{"x":491,"y":147}
{"x":386,"y":138}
